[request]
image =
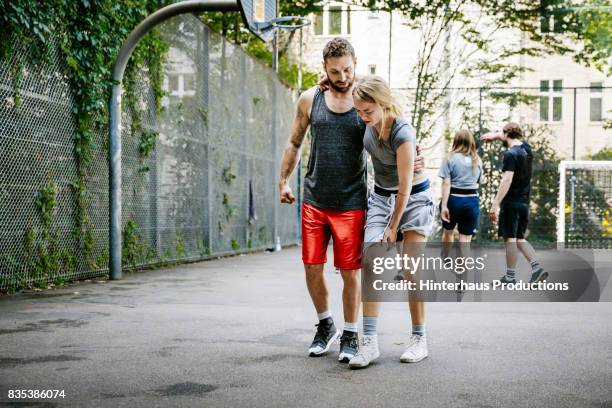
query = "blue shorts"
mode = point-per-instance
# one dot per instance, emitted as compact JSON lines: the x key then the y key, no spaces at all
{"x":464,"y":212}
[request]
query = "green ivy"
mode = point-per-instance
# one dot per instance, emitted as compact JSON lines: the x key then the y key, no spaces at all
{"x":45,"y":260}
{"x":45,"y":201}
{"x":87,"y":35}
{"x":180,"y":245}
{"x":134,"y":248}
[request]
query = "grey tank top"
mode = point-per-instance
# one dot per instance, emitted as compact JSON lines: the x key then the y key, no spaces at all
{"x":336,"y":176}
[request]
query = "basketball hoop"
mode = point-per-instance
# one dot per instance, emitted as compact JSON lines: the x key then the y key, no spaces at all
{"x":289,"y":23}
{"x":284,"y":22}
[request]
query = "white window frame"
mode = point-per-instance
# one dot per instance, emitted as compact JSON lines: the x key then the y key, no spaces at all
{"x":550,"y":94}
{"x":181,"y":92}
{"x":596,"y":95}
{"x":344,"y":23}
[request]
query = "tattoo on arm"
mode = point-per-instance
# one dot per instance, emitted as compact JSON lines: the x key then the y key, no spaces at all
{"x":290,"y":156}
{"x":299,"y":114}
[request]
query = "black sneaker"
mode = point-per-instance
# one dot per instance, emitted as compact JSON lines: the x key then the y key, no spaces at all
{"x":325,"y":336}
{"x":504,"y":280}
{"x":349,"y":343}
{"x":538,"y":275}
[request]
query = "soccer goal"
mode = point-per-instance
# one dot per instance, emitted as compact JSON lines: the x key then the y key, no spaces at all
{"x":585,"y":204}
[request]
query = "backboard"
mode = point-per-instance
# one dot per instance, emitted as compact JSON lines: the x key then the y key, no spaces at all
{"x":257,"y":15}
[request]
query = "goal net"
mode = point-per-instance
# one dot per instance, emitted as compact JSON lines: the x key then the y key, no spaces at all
{"x":585,"y":204}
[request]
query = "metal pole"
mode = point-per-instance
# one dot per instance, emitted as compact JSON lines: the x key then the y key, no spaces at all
{"x":191,"y":6}
{"x":246,"y":161}
{"x":561,"y":209}
{"x":275,"y":51}
{"x":574,"y":131}
{"x":299,"y":169}
{"x":479,"y":113}
{"x":390,"y":43}
{"x":209,"y":151}
{"x":300,"y":65}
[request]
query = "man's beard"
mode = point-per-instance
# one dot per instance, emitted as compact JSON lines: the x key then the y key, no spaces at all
{"x":341,"y":89}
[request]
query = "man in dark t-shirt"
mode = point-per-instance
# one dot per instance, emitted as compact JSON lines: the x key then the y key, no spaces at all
{"x":511,"y":204}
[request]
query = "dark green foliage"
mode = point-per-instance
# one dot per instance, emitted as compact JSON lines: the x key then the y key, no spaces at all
{"x":603,"y":154}
{"x":134,"y":249}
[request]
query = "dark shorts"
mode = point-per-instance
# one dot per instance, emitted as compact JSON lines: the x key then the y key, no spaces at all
{"x":464,"y":213}
{"x":513,"y":218}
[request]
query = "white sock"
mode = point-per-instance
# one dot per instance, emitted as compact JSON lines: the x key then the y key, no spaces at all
{"x":352,"y":327}
{"x":324,"y":315}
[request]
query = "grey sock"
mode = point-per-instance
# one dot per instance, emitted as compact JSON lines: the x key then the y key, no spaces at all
{"x":535,"y":265}
{"x":418,"y":329}
{"x":369,"y":325}
{"x":510,"y":273}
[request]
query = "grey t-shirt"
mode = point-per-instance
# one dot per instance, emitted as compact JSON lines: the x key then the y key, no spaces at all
{"x":459,"y":168}
{"x":383,"y":153}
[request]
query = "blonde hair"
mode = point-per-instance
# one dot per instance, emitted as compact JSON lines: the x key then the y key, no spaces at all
{"x":464,"y":143}
{"x":374,"y":89}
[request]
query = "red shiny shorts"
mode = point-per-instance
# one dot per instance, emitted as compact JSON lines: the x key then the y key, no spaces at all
{"x":345,"y":226}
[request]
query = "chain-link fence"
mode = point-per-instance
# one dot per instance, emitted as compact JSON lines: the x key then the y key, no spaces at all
{"x":209,"y":186}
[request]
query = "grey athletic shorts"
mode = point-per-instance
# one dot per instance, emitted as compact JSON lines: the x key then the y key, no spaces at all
{"x":418,"y":216}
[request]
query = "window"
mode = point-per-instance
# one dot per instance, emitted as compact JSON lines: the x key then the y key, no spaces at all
{"x":188,"y":83}
{"x":596,"y":93}
{"x":181,"y":84}
{"x":348,"y":20}
{"x":551,"y":100}
{"x":372,"y":69}
{"x":553,"y":16}
{"x":318,"y":24}
{"x":173,"y":83}
{"x":334,"y":20}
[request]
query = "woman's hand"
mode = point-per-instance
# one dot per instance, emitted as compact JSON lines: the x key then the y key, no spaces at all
{"x":419,"y":161}
{"x":445,"y":214}
{"x":323,"y":82}
{"x":390,"y":235}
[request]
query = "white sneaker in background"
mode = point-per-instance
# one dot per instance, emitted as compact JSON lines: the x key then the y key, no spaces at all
{"x":368,"y":352}
{"x":416,"y":349}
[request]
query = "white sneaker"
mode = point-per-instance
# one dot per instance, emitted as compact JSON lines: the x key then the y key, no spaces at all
{"x":368,"y":352}
{"x":416,"y":349}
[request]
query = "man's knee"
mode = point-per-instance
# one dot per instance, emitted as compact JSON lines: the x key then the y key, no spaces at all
{"x":350,"y":277}
{"x":314,"y":270}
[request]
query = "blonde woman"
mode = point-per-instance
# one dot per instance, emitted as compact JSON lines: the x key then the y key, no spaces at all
{"x":401,"y":206}
{"x":462,"y":174}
